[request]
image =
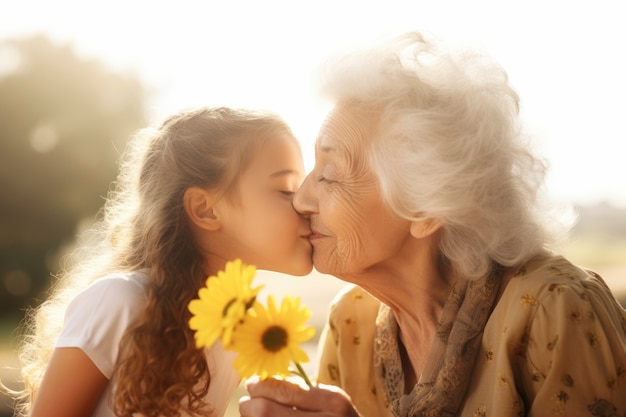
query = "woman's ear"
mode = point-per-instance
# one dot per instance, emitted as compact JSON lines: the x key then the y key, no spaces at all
{"x":198,"y":204}
{"x":425,"y":227}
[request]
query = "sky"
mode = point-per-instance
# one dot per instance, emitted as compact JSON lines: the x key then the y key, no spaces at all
{"x":564,"y":58}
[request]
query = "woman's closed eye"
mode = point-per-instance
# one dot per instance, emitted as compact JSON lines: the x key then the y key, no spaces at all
{"x":322,"y":178}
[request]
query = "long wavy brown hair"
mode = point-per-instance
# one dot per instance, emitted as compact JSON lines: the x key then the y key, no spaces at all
{"x":144,"y":226}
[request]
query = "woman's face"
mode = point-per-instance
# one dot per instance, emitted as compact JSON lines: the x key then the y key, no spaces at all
{"x":352,"y":230}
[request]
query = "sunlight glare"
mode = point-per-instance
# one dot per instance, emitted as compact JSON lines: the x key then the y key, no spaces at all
{"x":561,"y":57}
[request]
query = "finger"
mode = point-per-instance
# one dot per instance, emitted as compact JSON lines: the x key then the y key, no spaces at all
{"x":280,"y":391}
{"x":325,"y":398}
{"x":262,"y":407}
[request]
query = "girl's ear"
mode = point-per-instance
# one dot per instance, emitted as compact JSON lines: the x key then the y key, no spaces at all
{"x":424,"y":228}
{"x":198,"y":204}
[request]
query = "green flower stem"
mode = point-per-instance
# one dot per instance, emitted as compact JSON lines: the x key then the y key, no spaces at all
{"x":303,"y":374}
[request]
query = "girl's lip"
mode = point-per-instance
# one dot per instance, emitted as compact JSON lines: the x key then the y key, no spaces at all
{"x":315,"y":235}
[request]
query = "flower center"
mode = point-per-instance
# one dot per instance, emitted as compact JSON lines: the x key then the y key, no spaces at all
{"x":274,"y":339}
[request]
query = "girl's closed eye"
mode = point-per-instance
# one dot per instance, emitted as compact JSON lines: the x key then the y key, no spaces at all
{"x":287,"y":193}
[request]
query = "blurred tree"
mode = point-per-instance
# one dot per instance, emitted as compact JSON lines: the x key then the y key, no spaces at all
{"x":64,"y":121}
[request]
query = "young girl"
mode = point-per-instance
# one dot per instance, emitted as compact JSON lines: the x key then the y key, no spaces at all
{"x":205,"y":187}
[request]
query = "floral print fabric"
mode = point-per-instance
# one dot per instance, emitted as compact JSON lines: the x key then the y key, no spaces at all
{"x":554,"y":345}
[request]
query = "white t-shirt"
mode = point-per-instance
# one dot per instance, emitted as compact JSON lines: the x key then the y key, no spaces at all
{"x":97,"y":318}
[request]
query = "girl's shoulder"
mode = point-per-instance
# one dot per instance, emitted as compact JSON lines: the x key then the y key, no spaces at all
{"x":117,"y":293}
{"x":124,"y":284}
{"x":96,"y":319}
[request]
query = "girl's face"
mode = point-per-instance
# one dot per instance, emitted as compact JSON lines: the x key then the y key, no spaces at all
{"x":261,"y":227}
{"x":353,"y":230}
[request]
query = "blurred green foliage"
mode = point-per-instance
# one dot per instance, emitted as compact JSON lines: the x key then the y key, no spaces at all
{"x":64,"y":120}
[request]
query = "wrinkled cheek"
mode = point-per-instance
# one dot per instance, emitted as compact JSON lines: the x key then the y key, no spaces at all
{"x":343,"y":252}
{"x":342,"y":256}
{"x":350,"y":248}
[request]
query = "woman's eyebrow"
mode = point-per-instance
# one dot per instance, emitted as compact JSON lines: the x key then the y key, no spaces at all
{"x":325,"y":144}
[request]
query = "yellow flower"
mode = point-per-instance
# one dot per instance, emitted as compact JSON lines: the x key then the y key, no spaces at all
{"x":270,"y":338}
{"x":223,"y":303}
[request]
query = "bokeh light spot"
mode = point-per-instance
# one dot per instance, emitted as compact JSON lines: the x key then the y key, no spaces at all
{"x":44,"y":137}
{"x":17,"y":282}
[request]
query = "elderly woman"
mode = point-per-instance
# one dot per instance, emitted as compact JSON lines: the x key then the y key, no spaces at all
{"x":424,"y":195}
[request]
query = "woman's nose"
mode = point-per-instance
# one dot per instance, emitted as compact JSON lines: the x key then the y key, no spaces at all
{"x":304,"y":201}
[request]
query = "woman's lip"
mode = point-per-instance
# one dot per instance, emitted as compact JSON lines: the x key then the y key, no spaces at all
{"x":315,"y":235}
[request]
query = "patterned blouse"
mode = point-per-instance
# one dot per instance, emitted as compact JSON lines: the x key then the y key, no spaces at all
{"x":554,"y":345}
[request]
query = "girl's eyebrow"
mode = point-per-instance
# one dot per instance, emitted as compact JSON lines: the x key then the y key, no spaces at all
{"x":283,"y":172}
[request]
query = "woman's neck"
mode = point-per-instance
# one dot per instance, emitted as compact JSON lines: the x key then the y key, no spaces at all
{"x":415,"y":283}
{"x":416,"y":286}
